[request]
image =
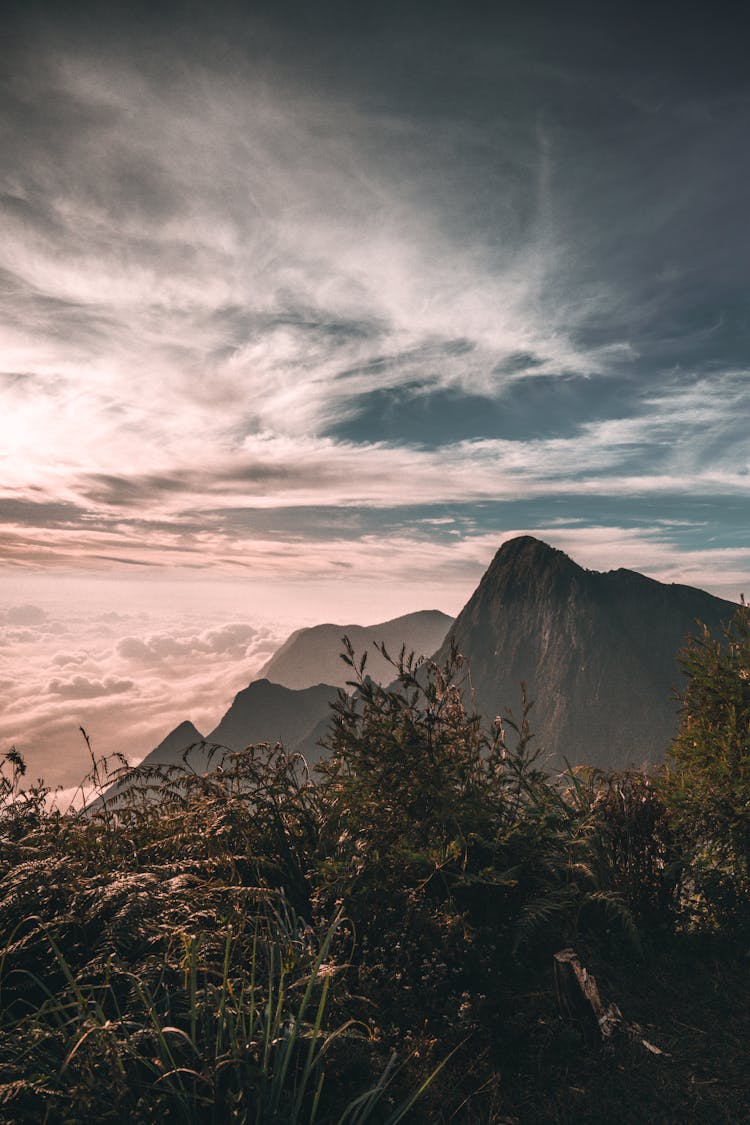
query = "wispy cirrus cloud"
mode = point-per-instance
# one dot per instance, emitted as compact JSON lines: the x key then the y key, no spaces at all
{"x":295,"y":309}
{"x":242,"y":258}
{"x":687,"y":440}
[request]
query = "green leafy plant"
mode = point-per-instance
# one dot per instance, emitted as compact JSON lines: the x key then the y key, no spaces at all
{"x":707,"y":783}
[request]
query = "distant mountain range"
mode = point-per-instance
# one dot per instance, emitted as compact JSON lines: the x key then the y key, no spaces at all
{"x":597,"y":652}
{"x":307,"y":672}
{"x":313,"y":656}
{"x":169,"y":749}
{"x":266,"y":712}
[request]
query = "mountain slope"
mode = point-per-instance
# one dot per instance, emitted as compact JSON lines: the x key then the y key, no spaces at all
{"x":312,"y":656}
{"x":266,"y":712}
{"x":597,"y":652}
{"x":169,"y":752}
{"x":171,"y":748}
{"x":261,"y":712}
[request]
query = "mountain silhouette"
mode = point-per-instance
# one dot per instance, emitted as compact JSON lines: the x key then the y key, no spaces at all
{"x":184,"y":735}
{"x":313,"y":656}
{"x":266,"y":712}
{"x":597,"y":652}
{"x":184,"y":739}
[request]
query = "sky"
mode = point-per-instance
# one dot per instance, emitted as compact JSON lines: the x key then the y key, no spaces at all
{"x":306,"y":308}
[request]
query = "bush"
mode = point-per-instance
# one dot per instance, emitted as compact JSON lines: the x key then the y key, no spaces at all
{"x":461,"y":864}
{"x":707,"y":783}
{"x":153,"y":965}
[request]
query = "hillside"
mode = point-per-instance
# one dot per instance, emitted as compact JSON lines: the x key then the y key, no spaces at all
{"x":597,"y":652}
{"x":174,"y":745}
{"x":436,"y":931}
{"x":261,"y":712}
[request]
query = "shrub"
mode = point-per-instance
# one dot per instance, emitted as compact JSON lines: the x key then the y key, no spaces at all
{"x":460,"y":863}
{"x":707,"y":783}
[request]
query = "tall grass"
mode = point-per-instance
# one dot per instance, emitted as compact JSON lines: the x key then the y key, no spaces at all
{"x":153,"y":965}
{"x":247,"y":944}
{"x":232,"y":1040}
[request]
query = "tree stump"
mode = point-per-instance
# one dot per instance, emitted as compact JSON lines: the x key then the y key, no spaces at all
{"x":579,"y":1001}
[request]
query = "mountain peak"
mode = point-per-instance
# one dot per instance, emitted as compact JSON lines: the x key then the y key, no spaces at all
{"x":586,"y":644}
{"x":526,"y":562}
{"x":529,"y":550}
{"x":183,"y":735}
{"x":187,"y":728}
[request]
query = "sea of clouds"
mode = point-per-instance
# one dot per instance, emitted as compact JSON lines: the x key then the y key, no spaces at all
{"x":127,"y":678}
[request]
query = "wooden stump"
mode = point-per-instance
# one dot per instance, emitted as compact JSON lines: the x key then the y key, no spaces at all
{"x":579,"y":1001}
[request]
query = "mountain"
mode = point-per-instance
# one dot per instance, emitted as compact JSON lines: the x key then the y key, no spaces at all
{"x":169,"y":752}
{"x":171,"y":747}
{"x":262,"y":712}
{"x":597,"y":652}
{"x":312,"y":656}
{"x":266,"y":712}
{"x":294,"y":708}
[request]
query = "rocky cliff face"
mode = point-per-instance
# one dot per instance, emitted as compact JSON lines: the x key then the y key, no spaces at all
{"x":597,"y":652}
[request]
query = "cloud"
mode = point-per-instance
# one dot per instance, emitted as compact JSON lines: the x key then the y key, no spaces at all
{"x":160,"y":660}
{"x":169,"y":660}
{"x":234,"y":286}
{"x":80,"y":687}
{"x":237,"y":641}
{"x":17,"y":637}
{"x":62,"y":659}
{"x":25,"y":615}
{"x":230,"y":638}
{"x":261,"y":284}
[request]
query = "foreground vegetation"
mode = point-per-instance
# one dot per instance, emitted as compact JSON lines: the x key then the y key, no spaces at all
{"x":378,"y":945}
